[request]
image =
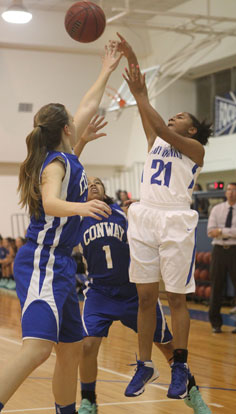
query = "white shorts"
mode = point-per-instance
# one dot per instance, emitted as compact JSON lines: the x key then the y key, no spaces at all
{"x":162,"y":245}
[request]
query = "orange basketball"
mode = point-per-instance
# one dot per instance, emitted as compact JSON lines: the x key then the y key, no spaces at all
{"x":197,"y":274}
{"x":200,"y":256}
{"x":208,"y":292}
{"x":204,"y":274}
{"x":196,"y":291}
{"x":201,"y":291}
{"x":85,"y":21}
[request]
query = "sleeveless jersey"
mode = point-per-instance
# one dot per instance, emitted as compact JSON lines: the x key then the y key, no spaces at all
{"x":105,"y":248}
{"x":168,"y":177}
{"x":61,"y":231}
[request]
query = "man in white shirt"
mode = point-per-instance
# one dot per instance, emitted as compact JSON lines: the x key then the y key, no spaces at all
{"x":222,"y":228}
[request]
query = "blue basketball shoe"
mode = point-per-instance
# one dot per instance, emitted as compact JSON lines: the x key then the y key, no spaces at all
{"x":144,"y":374}
{"x":194,"y":400}
{"x":178,"y":388}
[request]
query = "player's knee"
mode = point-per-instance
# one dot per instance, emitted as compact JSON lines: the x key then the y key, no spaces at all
{"x":147,"y":300}
{"x":40,"y":355}
{"x":89,"y":346}
{"x":176,"y":300}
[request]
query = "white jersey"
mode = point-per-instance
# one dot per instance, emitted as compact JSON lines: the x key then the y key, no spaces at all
{"x":168,"y":176}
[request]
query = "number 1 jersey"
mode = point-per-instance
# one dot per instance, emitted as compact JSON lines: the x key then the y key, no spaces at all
{"x":105,"y":248}
{"x":168,"y":176}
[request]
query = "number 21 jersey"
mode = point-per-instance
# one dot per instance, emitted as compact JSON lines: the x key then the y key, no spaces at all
{"x":168,"y":176}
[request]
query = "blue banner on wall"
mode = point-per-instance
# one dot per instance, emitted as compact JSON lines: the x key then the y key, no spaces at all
{"x":225,"y":114}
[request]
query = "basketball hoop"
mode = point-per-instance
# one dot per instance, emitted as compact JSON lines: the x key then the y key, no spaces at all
{"x":115,"y":97}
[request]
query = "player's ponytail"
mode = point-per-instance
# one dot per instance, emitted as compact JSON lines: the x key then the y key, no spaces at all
{"x":46,"y":135}
{"x":204,"y":130}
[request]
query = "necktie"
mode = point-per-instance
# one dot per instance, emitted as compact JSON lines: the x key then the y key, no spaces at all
{"x":228,"y":222}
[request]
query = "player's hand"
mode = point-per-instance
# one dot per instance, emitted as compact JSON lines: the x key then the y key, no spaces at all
{"x":127,"y":204}
{"x":124,"y":47}
{"x":91,"y":132}
{"x":135,"y":80}
{"x":95,"y":209}
{"x":112,"y":57}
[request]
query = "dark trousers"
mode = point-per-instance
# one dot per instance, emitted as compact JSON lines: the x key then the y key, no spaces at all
{"x":223,"y":262}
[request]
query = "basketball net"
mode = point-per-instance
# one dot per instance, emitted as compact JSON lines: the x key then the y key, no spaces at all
{"x":113,"y":94}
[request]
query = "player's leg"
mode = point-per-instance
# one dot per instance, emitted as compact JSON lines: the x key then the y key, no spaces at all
{"x":40,"y":318}
{"x":145,"y":372}
{"x":148,"y":296}
{"x":162,"y":335}
{"x":163,"y":340}
{"x":65,"y":376}
{"x":98,"y":315}
{"x":177,"y":254}
{"x":88,"y":374}
{"x":32,"y":354}
{"x":180,"y":320}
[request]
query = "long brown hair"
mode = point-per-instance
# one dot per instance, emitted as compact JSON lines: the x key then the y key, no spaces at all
{"x":46,"y":135}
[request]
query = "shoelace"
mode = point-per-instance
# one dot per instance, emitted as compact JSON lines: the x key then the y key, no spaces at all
{"x":136,"y":363}
{"x":138,"y":372}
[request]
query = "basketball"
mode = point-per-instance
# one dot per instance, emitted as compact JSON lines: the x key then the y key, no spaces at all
{"x":85,"y":21}
{"x":208,"y":292}
{"x":197,"y":274}
{"x":201,"y":291}
{"x":207,"y":257}
{"x":204,"y":274}
{"x":200,"y":257}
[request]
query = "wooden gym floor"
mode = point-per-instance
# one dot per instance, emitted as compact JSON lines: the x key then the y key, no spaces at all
{"x":212,"y":358}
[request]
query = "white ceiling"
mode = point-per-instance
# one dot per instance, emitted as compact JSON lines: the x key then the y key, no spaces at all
{"x":107,"y":5}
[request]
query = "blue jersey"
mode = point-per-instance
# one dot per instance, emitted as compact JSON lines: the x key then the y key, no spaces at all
{"x":105,"y":248}
{"x":44,"y":269}
{"x":61,"y":231}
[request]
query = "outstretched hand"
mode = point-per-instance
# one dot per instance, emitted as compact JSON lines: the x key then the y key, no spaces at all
{"x":111,"y":57}
{"x":136,"y":81}
{"x":91,"y":132}
{"x":123,"y":46}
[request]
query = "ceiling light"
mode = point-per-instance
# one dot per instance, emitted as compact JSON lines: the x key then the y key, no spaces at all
{"x":17,"y":13}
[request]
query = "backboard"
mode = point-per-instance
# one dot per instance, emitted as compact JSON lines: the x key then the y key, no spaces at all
{"x":124,"y":94}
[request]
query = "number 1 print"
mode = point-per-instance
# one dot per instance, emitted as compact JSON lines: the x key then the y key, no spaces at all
{"x":107,"y":251}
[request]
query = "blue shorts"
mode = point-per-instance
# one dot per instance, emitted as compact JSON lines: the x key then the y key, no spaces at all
{"x":45,"y":285}
{"x":100,"y":310}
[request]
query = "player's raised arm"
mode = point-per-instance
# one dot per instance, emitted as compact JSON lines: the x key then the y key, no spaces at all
{"x":125,"y":48}
{"x":90,"y":102}
{"x":183,"y":143}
